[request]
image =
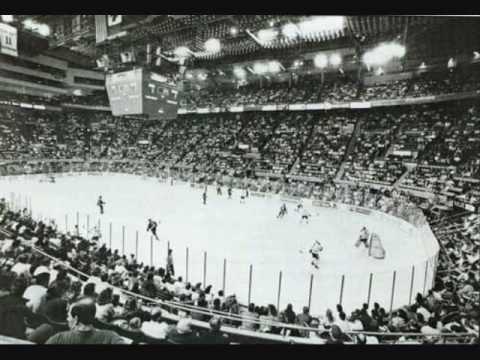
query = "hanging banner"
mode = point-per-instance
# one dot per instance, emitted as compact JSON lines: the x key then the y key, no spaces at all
{"x":8,"y":40}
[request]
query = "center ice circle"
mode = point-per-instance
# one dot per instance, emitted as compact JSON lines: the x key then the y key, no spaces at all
{"x":227,"y":242}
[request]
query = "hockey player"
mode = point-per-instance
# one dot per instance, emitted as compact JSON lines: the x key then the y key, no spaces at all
{"x":242,"y":198}
{"x":315,"y":251}
{"x":305,"y":216}
{"x":299,"y":207}
{"x":219,"y":190}
{"x":100,"y":204}
{"x":282,"y":212}
{"x":363,"y":238}
{"x":152,"y":227}
{"x":229,"y":192}
{"x":204,"y":197}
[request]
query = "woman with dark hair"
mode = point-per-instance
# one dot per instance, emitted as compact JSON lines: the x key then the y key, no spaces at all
{"x":104,"y":307}
{"x":268,"y":316}
{"x":56,"y":290}
{"x":203,"y":304}
{"x":288,"y":316}
{"x":74,"y":291}
{"x":148,"y":287}
{"x":117,"y":307}
{"x":217,"y":304}
{"x":248,"y":316}
{"x":131,"y":309}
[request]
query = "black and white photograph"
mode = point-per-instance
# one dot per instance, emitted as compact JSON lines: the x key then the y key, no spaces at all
{"x":239,"y":179}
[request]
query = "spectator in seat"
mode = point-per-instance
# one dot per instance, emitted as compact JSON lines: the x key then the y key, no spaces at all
{"x":22,"y":267}
{"x":214,"y":335}
{"x":304,"y":319}
{"x":89,"y":291}
{"x":354,"y":322}
{"x":153,"y":326}
{"x":337,"y":337}
{"x":375,"y":311}
{"x":342,"y":322}
{"x":13,"y":309}
{"x":56,"y":290}
{"x":430,"y":328}
{"x":329,"y":319}
{"x":131,"y":309}
{"x":132,"y":330}
{"x":201,"y":303}
{"x":217,"y":304}
{"x":35,"y":292}
{"x":56,"y":315}
{"x":74,"y":291}
{"x":148,"y":287}
{"x":80,"y":320}
{"x":182,"y":333}
{"x":104,"y":307}
{"x":247,"y":316}
{"x":267,"y":319}
{"x":288,"y":316}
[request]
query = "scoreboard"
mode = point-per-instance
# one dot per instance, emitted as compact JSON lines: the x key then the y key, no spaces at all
{"x":125,"y":92}
{"x":140,"y":91}
{"x":160,"y":99}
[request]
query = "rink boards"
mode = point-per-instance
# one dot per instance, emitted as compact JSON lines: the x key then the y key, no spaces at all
{"x":242,"y":248}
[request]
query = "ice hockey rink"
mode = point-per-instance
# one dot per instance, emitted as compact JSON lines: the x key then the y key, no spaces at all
{"x":241,"y":247}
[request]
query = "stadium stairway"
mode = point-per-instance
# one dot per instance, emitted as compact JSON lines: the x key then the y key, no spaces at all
{"x":353,"y":138}
{"x":403,"y":176}
{"x":340,"y":172}
{"x":350,"y":148}
{"x":301,"y":149}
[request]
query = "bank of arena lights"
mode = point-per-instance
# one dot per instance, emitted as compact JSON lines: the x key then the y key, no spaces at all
{"x":233,"y":31}
{"x":42,"y":29}
{"x":270,"y":67}
{"x":451,"y":63}
{"x":335,"y":60}
{"x":6,"y":18}
{"x":266,"y":36}
{"x":384,"y":53}
{"x":239,"y":72}
{"x":260,"y":68}
{"x":321,"y":25}
{"x":320,"y":61}
{"x":290,"y":31}
{"x":202,"y":76}
{"x":297,"y":63}
{"x":213,"y":46}
{"x":274,"y":67}
{"x":313,"y":28}
{"x":182,"y":52}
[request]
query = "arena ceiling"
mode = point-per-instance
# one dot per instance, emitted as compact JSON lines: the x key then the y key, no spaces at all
{"x":171,"y":31}
{"x":145,"y":39}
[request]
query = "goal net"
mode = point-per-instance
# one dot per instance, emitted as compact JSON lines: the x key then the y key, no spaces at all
{"x":376,"y":249}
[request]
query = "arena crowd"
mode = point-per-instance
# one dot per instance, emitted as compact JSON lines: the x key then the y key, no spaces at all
{"x":368,"y":157}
